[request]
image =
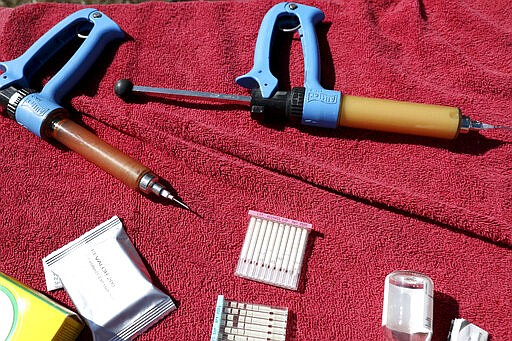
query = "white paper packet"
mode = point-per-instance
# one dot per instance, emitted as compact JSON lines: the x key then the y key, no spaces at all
{"x":108,"y":283}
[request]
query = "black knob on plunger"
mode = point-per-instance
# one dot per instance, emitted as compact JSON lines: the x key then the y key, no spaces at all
{"x":123,"y":88}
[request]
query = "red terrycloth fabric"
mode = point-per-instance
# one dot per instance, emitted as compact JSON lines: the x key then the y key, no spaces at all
{"x":378,"y":202}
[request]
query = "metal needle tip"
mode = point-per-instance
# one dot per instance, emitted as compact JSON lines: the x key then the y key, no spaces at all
{"x":503,"y":127}
{"x":181,"y":203}
{"x":161,"y":191}
{"x":485,"y":126}
{"x":468,"y":124}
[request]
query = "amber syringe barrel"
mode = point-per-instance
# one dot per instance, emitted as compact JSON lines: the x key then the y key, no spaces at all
{"x":400,"y":117}
{"x":95,"y":150}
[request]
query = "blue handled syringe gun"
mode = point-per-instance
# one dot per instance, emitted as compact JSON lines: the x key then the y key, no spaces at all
{"x":311,"y":104}
{"x":41,"y":113}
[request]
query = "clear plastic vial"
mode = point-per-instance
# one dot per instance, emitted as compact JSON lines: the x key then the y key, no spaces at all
{"x":408,"y":306}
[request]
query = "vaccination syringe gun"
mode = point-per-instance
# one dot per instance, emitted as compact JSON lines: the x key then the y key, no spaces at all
{"x":41,"y":113}
{"x":312,"y":105}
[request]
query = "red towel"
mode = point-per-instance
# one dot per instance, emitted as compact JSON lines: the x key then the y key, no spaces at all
{"x":379,"y":202}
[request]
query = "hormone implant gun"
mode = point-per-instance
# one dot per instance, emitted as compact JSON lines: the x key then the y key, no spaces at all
{"x":313,"y":105}
{"x":40,"y":112}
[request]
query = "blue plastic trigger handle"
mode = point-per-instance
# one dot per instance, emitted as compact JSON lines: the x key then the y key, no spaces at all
{"x":321,"y":107}
{"x":100,"y":30}
{"x":305,"y":17}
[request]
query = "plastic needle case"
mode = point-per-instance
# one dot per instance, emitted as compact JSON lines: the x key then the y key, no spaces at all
{"x":273,"y":250}
{"x":243,"y":322}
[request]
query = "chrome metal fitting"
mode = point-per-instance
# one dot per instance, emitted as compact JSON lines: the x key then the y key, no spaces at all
{"x":146,"y":182}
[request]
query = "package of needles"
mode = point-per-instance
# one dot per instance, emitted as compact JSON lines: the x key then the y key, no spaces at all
{"x":244,"y":321}
{"x":273,"y":250}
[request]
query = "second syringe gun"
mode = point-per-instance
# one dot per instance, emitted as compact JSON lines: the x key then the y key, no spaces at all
{"x":330,"y":109}
{"x":312,"y":105}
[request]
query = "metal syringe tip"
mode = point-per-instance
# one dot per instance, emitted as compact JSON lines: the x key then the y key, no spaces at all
{"x":503,"y":127}
{"x":468,"y":124}
{"x":181,"y":203}
{"x":485,"y":126}
{"x":166,"y":194}
{"x":158,"y":189}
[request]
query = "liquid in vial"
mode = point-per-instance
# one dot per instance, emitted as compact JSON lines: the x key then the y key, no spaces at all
{"x":408,"y":306}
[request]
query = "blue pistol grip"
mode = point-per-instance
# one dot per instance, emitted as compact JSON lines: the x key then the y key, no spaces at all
{"x":19,"y":71}
{"x":306,"y":17}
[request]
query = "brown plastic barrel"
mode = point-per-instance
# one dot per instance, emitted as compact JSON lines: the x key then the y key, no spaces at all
{"x":399,"y":117}
{"x":92,"y":148}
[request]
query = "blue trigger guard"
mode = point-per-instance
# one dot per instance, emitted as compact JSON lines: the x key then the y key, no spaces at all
{"x":100,"y":31}
{"x":306,"y":18}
